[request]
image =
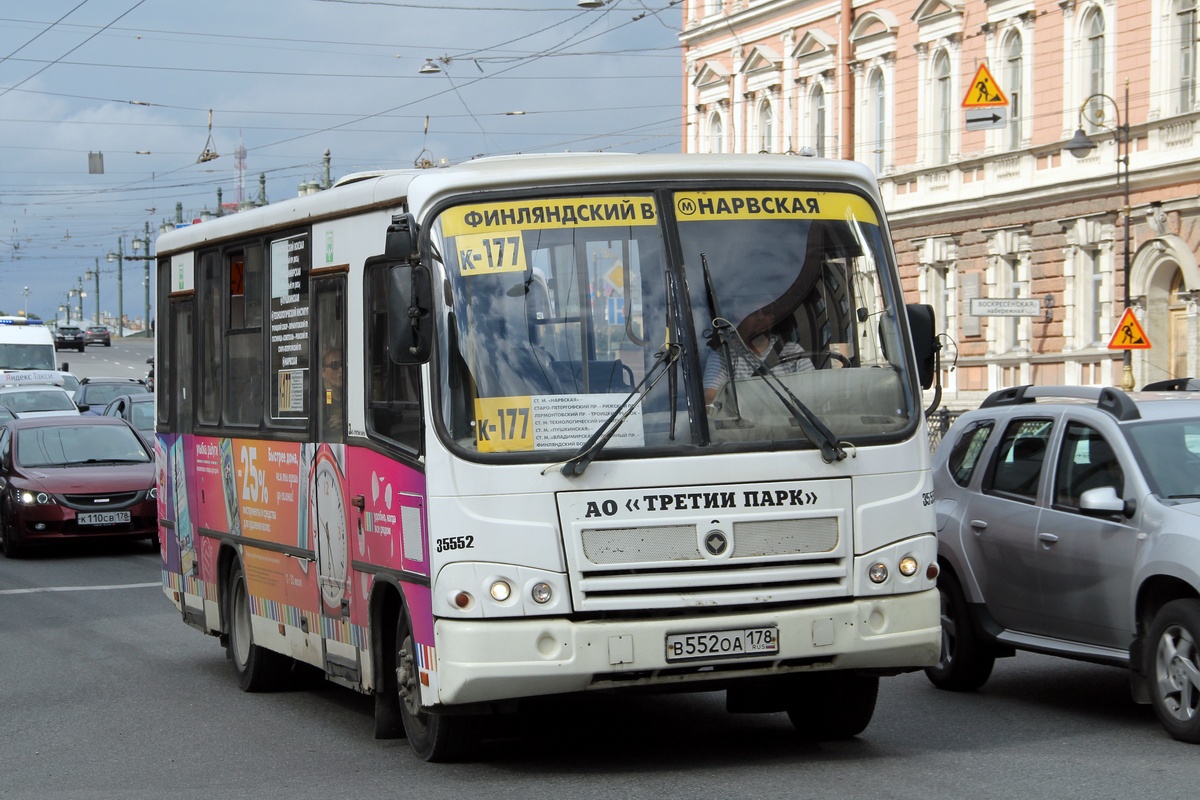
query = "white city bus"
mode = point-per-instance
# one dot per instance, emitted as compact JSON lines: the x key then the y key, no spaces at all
{"x":462,"y":436}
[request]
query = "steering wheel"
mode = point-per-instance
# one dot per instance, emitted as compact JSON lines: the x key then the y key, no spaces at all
{"x":821,"y":356}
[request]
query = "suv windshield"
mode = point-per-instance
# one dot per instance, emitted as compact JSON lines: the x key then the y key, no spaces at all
{"x":559,"y":307}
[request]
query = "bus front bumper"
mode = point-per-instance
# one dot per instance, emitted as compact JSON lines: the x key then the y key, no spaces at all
{"x":489,"y":660}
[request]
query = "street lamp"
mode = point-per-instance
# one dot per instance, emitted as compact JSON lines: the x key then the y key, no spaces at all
{"x":25,"y":292}
{"x":1080,"y":146}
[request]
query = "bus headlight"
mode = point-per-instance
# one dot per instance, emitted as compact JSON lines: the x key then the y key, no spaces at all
{"x":878,"y":573}
{"x":477,"y":590}
{"x":908,"y":566}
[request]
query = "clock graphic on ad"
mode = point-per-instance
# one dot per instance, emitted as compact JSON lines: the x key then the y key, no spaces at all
{"x":328,"y":529}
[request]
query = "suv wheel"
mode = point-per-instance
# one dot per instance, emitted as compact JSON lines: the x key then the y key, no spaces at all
{"x":965,"y":664}
{"x":1173,"y":667}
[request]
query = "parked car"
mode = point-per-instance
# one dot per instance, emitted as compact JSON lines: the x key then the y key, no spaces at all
{"x":74,"y":478}
{"x":36,"y":400}
{"x":98,"y":334}
{"x":138,"y":411}
{"x":150,"y":374}
{"x":1069,"y":524}
{"x":69,"y":337}
{"x":94,"y":394}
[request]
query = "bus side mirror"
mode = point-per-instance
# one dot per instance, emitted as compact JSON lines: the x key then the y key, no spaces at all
{"x":410,"y":321}
{"x":921,"y":324}
{"x":401,"y":241}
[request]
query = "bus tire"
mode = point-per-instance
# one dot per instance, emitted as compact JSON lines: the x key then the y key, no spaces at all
{"x":832,"y":705}
{"x":257,"y":669}
{"x":433,"y":737}
{"x":965,"y":663}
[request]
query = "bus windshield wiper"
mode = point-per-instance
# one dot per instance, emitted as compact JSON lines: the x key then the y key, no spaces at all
{"x":665,"y":358}
{"x":720,"y":335}
{"x":816,"y":430}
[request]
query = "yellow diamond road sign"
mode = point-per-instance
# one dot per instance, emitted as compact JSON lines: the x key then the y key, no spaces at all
{"x":984,"y":92}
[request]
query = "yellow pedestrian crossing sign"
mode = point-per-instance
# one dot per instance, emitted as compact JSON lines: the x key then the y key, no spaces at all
{"x":984,"y":92}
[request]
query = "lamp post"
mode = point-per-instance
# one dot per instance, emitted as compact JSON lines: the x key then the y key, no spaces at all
{"x":80,"y":293}
{"x":1080,"y":146}
{"x":94,"y":274}
{"x":119,"y":257}
{"x":25,"y":292}
{"x":137,"y":245}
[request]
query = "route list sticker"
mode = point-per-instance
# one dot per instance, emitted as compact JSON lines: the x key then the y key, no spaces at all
{"x":513,"y":424}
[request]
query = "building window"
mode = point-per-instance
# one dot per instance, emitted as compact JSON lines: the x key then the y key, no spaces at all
{"x":712,"y":7}
{"x":1012,"y":282}
{"x":1185,"y":27}
{"x":716,"y":134}
{"x":766,"y":127}
{"x":943,"y":108}
{"x":816,"y":107}
{"x":1093,"y":63}
{"x":1091,"y":309}
{"x":1013,"y":72}
{"x":877,"y":119}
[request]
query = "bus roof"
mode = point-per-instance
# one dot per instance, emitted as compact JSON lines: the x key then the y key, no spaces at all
{"x":361,"y":192}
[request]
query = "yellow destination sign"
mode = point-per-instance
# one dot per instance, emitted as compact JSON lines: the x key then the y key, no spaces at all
{"x":755,"y":204}
{"x":549,"y":213}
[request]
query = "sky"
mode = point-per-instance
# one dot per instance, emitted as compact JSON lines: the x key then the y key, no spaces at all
{"x":154,"y":85}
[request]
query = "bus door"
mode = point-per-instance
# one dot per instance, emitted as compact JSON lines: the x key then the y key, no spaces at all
{"x":331,"y":516}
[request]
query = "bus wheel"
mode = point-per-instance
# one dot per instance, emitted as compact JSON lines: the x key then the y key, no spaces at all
{"x":433,"y":737}
{"x":257,"y":669}
{"x":832,"y":705}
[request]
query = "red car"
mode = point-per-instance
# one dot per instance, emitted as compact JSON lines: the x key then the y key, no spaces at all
{"x":84,"y":477}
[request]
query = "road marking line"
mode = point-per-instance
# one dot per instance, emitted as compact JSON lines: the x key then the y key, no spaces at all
{"x":82,"y":588}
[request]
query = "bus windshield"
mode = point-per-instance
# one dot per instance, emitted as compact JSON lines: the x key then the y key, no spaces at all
{"x":559,"y":308}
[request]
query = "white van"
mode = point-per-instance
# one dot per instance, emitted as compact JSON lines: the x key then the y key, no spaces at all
{"x":25,"y":344}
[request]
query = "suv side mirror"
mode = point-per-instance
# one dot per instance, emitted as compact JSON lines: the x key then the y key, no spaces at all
{"x":1103,"y":501}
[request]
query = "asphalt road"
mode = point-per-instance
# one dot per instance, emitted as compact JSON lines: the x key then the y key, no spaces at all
{"x":105,"y":693}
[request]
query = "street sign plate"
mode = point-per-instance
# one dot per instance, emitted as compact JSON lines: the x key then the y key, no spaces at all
{"x":983,"y":119}
{"x":1006,"y":307}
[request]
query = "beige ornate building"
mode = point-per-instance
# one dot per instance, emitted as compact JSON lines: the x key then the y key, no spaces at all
{"x":999,"y":212}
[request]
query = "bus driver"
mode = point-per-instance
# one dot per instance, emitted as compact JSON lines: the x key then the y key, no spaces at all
{"x":754,"y":345}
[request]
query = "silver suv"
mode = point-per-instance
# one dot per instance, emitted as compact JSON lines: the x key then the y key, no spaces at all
{"x":1069,"y":524}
